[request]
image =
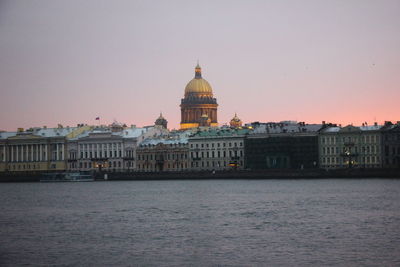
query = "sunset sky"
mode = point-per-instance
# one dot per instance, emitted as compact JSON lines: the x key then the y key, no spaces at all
{"x":69,"y":61}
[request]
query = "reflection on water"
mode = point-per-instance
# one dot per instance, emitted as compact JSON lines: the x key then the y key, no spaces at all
{"x":211,"y":222}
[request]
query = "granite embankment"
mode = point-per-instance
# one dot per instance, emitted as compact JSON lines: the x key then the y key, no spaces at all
{"x":260,"y":174}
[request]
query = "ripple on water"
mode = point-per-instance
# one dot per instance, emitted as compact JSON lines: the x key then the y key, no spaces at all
{"x":238,"y":222}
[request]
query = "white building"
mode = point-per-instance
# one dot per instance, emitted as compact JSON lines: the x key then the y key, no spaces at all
{"x":217,"y":149}
{"x":350,"y":146}
{"x":108,"y":148}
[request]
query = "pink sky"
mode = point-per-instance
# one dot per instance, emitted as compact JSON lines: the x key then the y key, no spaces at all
{"x":69,"y":62}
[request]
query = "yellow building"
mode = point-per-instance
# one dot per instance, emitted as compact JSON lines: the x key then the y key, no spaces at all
{"x":36,"y":149}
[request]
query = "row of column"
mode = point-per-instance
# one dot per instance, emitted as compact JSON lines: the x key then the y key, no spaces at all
{"x":32,"y":152}
{"x":193,"y":115}
{"x":106,"y":149}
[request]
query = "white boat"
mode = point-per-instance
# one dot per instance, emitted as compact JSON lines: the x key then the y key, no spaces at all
{"x":66,"y":177}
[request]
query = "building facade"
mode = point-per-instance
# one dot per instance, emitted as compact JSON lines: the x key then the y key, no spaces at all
{"x":37,"y":149}
{"x":198,"y":107}
{"x":217,"y":149}
{"x":284,"y":145}
{"x":108,"y":148}
{"x":164,"y":154}
{"x":350,"y":147}
{"x":391,"y":145}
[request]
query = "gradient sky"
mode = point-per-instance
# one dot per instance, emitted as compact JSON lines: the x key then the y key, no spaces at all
{"x":70,"y":61}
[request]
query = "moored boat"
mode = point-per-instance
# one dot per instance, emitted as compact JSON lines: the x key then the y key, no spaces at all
{"x":66,"y":177}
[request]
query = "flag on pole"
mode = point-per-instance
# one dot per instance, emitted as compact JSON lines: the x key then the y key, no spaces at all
{"x":97,"y":118}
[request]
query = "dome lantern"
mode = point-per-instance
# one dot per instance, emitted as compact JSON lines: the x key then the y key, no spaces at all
{"x":197,"y":71}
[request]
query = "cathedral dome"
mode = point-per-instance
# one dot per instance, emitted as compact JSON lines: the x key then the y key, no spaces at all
{"x":198,"y":86}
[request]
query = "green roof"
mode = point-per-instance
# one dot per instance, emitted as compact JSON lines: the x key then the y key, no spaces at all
{"x":221,"y":133}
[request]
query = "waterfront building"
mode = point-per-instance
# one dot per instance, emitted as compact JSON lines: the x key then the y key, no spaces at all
{"x":164,"y":153}
{"x":350,"y":147}
{"x":283,"y":145}
{"x":110,"y":148}
{"x":217,"y":149}
{"x":198,"y":107}
{"x":36,"y":149}
{"x":391,"y":145}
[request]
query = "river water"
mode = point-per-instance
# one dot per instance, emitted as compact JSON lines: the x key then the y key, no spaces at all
{"x":335,"y":222}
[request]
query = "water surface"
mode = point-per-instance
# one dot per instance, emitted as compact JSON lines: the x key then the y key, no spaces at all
{"x":336,"y":222}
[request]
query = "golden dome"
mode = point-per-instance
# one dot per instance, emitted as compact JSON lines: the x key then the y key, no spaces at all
{"x":235,"y":121}
{"x":198,"y":86}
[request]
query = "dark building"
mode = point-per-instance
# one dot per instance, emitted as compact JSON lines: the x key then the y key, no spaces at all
{"x":198,"y":107}
{"x":391,"y":145}
{"x":282,"y":146}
